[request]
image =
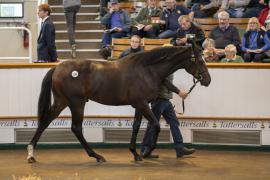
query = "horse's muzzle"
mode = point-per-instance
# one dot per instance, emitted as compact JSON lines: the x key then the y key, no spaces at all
{"x":205,"y":79}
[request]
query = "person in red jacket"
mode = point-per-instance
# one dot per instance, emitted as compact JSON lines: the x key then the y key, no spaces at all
{"x":264,"y":15}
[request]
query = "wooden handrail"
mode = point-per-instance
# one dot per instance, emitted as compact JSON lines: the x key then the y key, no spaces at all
{"x":26,"y":65}
{"x":215,"y":21}
{"x":209,"y":65}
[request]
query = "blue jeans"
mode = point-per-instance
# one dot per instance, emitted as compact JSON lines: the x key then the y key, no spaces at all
{"x":107,"y":37}
{"x":165,"y":108}
{"x":167,"y":34}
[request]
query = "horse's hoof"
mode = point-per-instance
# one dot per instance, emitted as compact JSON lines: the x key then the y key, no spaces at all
{"x":138,"y":158}
{"x":146,"y":152}
{"x":31,"y":160}
{"x":101,"y":159}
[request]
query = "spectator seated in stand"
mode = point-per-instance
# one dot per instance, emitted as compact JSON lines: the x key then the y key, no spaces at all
{"x":224,"y":34}
{"x":235,"y":8}
{"x":169,"y":18}
{"x":254,"y":8}
{"x":267,"y":29}
{"x":255,"y":42}
{"x":143,"y":24}
{"x":135,"y":46}
{"x":204,"y":8}
{"x":186,"y":31}
{"x":231,"y":55}
{"x":209,"y":52}
{"x":265,"y":15}
{"x":118,"y":23}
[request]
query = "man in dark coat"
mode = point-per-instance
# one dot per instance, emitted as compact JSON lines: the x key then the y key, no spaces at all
{"x":46,"y":48}
{"x":170,"y":16}
{"x":187,"y":31}
{"x":224,"y":34}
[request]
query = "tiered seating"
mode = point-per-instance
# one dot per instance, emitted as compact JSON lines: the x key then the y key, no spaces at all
{"x":208,"y":23}
{"x":149,"y":44}
{"x":128,"y":6}
{"x":120,"y":44}
{"x":132,"y":7}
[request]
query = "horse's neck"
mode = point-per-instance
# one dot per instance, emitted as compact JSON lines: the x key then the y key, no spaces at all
{"x":168,"y":66}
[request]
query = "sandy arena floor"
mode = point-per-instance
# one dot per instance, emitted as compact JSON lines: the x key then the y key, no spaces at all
{"x":74,"y":164}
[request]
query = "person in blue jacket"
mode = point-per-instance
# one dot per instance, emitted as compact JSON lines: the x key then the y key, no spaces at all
{"x":255,"y":42}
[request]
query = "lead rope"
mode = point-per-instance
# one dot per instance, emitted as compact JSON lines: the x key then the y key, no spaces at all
{"x":183,"y":101}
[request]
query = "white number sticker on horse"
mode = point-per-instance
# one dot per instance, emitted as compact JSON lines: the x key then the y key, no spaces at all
{"x":74,"y":74}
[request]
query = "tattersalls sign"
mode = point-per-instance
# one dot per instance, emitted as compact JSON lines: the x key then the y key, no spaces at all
{"x":128,"y":122}
{"x":239,"y":125}
{"x":194,"y":124}
{"x":10,"y":123}
{"x":9,"y":127}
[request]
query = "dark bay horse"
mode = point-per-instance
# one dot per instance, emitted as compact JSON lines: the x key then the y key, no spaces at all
{"x":134,"y":81}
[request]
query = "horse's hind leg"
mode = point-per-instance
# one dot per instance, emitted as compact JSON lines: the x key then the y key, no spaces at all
{"x":56,"y":109}
{"x":77,"y":111}
{"x":135,"y":130}
{"x":154,"y":127}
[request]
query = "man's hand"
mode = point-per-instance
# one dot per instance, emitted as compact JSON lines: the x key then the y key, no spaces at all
{"x":118,"y":29}
{"x":181,"y":41}
{"x":220,"y":51}
{"x":147,"y":27}
{"x":162,"y":22}
{"x":139,"y":26}
{"x":254,"y":50}
{"x":183,"y":94}
{"x":201,"y":7}
{"x":264,"y":28}
{"x":258,"y":51}
{"x":111,"y":10}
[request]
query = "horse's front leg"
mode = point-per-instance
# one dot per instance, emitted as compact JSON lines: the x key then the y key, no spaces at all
{"x":135,"y":131}
{"x":77,"y":111}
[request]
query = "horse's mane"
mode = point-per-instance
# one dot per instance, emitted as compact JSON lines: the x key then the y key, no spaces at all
{"x":157,"y":55}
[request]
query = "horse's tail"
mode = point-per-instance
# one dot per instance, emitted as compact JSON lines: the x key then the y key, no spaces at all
{"x":44,"y":101}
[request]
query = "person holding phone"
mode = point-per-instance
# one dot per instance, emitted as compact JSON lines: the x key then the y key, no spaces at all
{"x":187,"y":31}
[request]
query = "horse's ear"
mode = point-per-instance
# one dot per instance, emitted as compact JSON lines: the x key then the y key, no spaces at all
{"x":196,"y":50}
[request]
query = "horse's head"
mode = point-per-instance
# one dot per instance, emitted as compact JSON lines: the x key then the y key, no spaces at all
{"x":197,"y":67}
{"x":166,"y":60}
